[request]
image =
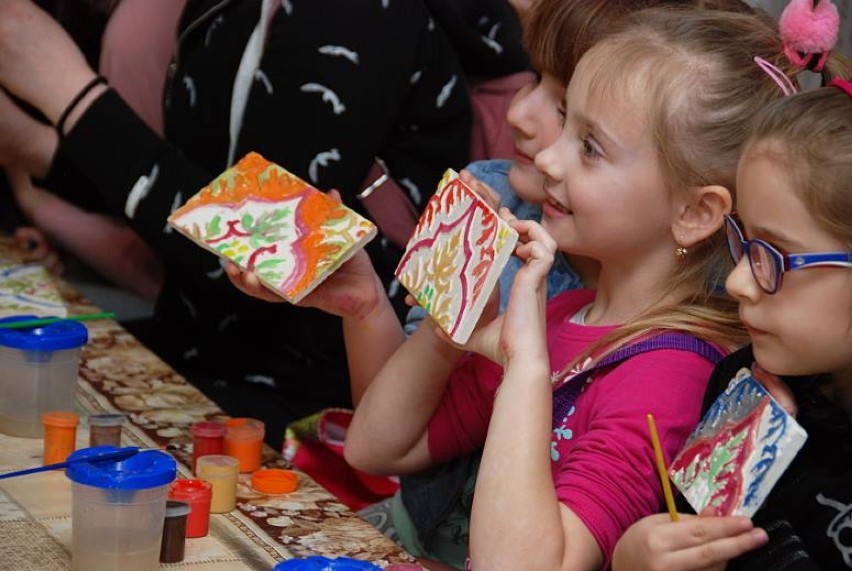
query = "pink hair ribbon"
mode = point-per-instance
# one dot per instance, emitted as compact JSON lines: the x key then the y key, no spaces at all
{"x":776,"y":75}
{"x":843,"y":84}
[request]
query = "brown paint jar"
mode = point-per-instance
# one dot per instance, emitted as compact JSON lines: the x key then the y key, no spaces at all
{"x":105,"y":429}
{"x":174,"y":532}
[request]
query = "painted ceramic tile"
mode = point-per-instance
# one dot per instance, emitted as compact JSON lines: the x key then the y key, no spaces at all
{"x":739,"y":450}
{"x":27,"y":289}
{"x":456,"y":254}
{"x":268,"y":221}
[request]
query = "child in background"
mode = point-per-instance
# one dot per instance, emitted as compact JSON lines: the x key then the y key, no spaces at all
{"x":639,"y":180}
{"x":794,"y":212}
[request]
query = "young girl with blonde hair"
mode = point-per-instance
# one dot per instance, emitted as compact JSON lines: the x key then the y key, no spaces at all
{"x":794,"y":212}
{"x":640,"y":180}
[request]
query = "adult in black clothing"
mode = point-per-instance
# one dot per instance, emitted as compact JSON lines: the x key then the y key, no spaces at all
{"x":323,"y":87}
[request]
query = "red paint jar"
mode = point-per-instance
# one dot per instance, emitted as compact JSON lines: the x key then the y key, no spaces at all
{"x":197,"y":493}
{"x":208,"y":437}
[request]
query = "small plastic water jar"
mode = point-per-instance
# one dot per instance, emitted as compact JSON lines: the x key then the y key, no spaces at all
{"x":118,"y":510}
{"x":38,"y":373}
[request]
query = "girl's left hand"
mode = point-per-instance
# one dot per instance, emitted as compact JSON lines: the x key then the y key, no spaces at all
{"x":692,"y":543}
{"x":521,"y":329}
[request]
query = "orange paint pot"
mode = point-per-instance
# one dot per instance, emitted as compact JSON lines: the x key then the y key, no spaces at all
{"x":274,"y":481}
{"x":244,"y":441}
{"x":60,"y":435}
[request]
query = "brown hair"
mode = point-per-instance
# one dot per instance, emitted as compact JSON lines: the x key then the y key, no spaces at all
{"x":809,"y":136}
{"x":691,"y":73}
{"x":559,"y":32}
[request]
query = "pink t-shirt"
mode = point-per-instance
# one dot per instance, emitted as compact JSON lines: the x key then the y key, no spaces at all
{"x":601,"y":456}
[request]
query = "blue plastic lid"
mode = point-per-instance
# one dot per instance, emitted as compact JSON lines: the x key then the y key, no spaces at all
{"x":146,"y":469}
{"x":52,"y":337}
{"x":318,"y":563}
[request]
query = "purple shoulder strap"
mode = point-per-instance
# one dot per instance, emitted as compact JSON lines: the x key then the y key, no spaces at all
{"x":565,"y":396}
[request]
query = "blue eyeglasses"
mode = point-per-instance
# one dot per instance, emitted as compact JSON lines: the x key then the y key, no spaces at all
{"x":768,"y":264}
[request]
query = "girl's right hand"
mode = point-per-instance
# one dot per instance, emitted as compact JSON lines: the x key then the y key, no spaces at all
{"x":352,"y":290}
{"x":692,"y":543}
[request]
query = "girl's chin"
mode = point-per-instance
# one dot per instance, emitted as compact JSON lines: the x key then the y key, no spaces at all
{"x":776,"y":360}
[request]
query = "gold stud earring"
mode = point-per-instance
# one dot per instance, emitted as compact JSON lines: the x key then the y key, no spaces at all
{"x":680,"y":253}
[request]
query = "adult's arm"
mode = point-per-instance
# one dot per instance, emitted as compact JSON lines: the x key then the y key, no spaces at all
{"x":135,"y":172}
{"x":104,"y":243}
{"x":25,"y":143}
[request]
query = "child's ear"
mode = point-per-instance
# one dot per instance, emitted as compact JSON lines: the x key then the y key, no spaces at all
{"x":701,"y":215}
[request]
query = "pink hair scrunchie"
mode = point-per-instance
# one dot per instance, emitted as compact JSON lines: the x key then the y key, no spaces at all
{"x":808,"y":31}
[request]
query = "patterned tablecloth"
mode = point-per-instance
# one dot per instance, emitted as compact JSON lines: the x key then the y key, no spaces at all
{"x":118,"y":374}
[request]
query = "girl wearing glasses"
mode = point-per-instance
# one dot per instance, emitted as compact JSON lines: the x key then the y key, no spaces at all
{"x":792,"y":246}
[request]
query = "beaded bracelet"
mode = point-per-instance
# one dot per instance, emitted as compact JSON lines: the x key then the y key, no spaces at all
{"x":60,"y":125}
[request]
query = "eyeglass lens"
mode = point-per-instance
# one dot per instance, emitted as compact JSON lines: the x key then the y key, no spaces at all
{"x":764,"y":266}
{"x":735,"y":241}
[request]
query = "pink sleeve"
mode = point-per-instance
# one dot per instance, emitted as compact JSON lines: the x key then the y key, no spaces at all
{"x":608,"y":477}
{"x":460,"y":423}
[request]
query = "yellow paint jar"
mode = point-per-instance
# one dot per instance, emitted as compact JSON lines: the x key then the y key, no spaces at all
{"x":221,"y":471}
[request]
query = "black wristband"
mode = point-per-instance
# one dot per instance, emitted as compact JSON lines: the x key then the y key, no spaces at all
{"x":60,"y":125}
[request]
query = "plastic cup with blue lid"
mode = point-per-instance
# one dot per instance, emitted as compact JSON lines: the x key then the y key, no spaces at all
{"x":38,"y":373}
{"x":118,"y":510}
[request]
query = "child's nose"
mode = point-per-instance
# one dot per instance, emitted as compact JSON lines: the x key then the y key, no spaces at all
{"x":518,"y":115}
{"x":741,"y":283}
{"x":547,"y":161}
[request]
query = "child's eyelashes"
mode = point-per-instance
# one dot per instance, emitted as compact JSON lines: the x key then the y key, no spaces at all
{"x":562,"y":113}
{"x":591,"y":148}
